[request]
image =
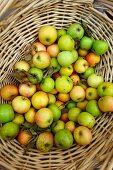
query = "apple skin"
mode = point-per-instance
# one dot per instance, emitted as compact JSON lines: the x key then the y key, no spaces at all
{"x":60,"y":104}
{"x":76,"y":31}
{"x":82,"y":52}
{"x":70,"y":125}
{"x":44,"y":117}
{"x":24,"y":137}
{"x":105,"y":89}
{"x":87,"y":73}
{"x":45,"y":141}
{"x":77,"y":94}
{"x":21,"y":104}
{"x":95,"y":80}
{"x":91,"y":93}
{"x":71,"y":104}
{"x":54,"y":91}
{"x":82,"y":105}
{"x":22,"y":65}
{"x":82,"y":135}
{"x":73,"y":114}
{"x":66,"y":43}
{"x":75,"y":55}
{"x":55,"y":65}
{"x":18,"y":119}
{"x":41,"y":59}
{"x":47,"y":84}
{"x":60,"y":33}
{"x":75,"y":78}
{"x":58,"y":125}
{"x":65,"y":58}
{"x":64,"y":117}
{"x":86,"y":43}
{"x":100,"y":47}
{"x":52,"y":98}
{"x":39,"y":100}
{"x":27,"y":90}
{"x":8,"y":92}
{"x":47,"y":35}
{"x":63,"y":84}
{"x":105,"y":104}
{"x":66,"y":71}
{"x":37,"y":46}
{"x":92,"y":108}
{"x":30,"y":115}
{"x":56,"y":111}
{"x":64,"y":97}
{"x":81,"y":66}
{"x":92,"y":59}
{"x":53,"y":50}
{"x":86,"y":119}
{"x":35,"y":76}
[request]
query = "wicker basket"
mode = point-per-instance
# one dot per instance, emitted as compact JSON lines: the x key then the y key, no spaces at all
{"x":18,"y":31}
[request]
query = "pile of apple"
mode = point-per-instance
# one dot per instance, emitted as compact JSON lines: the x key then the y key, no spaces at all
{"x":59,"y":95}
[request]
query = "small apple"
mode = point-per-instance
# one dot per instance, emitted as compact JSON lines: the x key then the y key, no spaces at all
{"x":70,"y":125}
{"x":44,"y":117}
{"x":27,"y":90}
{"x":58,"y":125}
{"x":8,"y":92}
{"x":55,"y":65}
{"x":53,"y":50}
{"x":6,"y":113}
{"x":66,"y":71}
{"x":18,"y":119}
{"x":21,"y":104}
{"x":45,"y":141}
{"x":39,"y":100}
{"x":66,"y":43}
{"x":30,"y":115}
{"x":82,"y":135}
{"x":56,"y":111}
{"x":24,"y":137}
{"x":92,"y":108}
{"x":73,"y":114}
{"x":47,"y":84}
{"x":60,"y":104}
{"x":91,"y":93}
{"x":41,"y":59}
{"x":63,"y":84}
{"x":105,"y":104}
{"x":71,"y":104}
{"x":86,"y":119}
{"x":77,"y":94}
{"x":105,"y":89}
{"x":82,"y":52}
{"x":75,"y":78}
{"x":95,"y":80}
{"x":92,"y":59}
{"x":76,"y":31}
{"x":100,"y":47}
{"x":47,"y":35}
{"x":22,"y":65}
{"x":87,"y":73}
{"x":82,"y":105}
{"x":60,"y":33}
{"x":64,"y":117}
{"x":81,"y":66}
{"x":52,"y":98}
{"x":86,"y":43}
{"x":37,"y":46}
{"x":64,"y":97}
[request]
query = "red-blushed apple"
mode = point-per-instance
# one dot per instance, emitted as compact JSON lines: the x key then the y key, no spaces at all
{"x":56,"y":111}
{"x":53,"y":50}
{"x":60,"y":104}
{"x":18,"y":119}
{"x":21,"y":104}
{"x":82,"y":52}
{"x":81,"y":66}
{"x":64,"y":97}
{"x":105,"y":104}
{"x":82,"y":135}
{"x":75,"y":78}
{"x":41,"y":59}
{"x":92,"y":108}
{"x":30,"y":115}
{"x":45,"y":141}
{"x":57,"y":125}
{"x":95,"y":80}
{"x":64,"y":117}
{"x":70,"y":125}
{"x":24,"y":137}
{"x":52,"y":98}
{"x":47,"y":84}
{"x":105,"y":89}
{"x":73,"y":114}
{"x":8,"y":92}
{"x":66,"y":71}
{"x":27,"y":90}
{"x":44,"y":117}
{"x":47,"y":35}
{"x":22,"y":65}
{"x":39,"y":100}
{"x":82,"y":105}
{"x":77,"y":94}
{"x":37,"y":46}
{"x":91,"y":93}
{"x":92,"y":59}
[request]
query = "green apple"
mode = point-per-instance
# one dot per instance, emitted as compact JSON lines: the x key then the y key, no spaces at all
{"x":95,"y":80}
{"x":100,"y":47}
{"x":47,"y":35}
{"x":57,"y":125}
{"x":64,"y":139}
{"x":54,"y":64}
{"x":105,"y":104}
{"x":86,"y":43}
{"x":65,"y":58}
{"x":56,"y":111}
{"x":60,"y":33}
{"x":105,"y":89}
{"x":76,"y":31}
{"x":63,"y":84}
{"x":87,"y":73}
{"x":92,"y":108}
{"x":6,"y":113}
{"x":47,"y":84}
{"x":81,"y":66}
{"x":71,"y":104}
{"x":18,"y":119}
{"x":66,"y":71}
{"x":66,"y":43}
{"x":86,"y":119}
{"x":91,"y":93}
{"x":75,"y":55}
{"x":35,"y":75}
{"x":73,"y":113}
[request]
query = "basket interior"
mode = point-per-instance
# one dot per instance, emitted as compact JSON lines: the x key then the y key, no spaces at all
{"x":14,"y":44}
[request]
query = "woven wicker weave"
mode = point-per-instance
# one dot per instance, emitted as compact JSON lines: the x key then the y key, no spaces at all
{"x":18,"y":31}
